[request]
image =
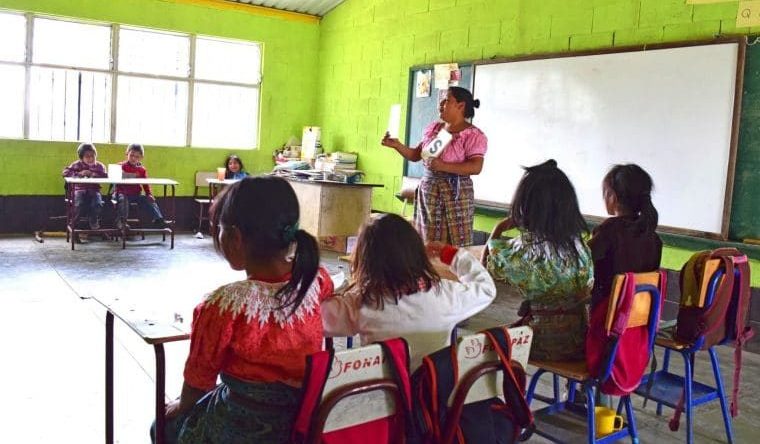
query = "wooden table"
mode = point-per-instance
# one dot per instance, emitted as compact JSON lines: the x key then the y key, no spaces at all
{"x":157,"y":323}
{"x":332,"y":208}
{"x":72,"y":230}
{"x":216,"y":185}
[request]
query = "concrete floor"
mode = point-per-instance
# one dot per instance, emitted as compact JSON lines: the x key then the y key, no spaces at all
{"x":53,"y":340}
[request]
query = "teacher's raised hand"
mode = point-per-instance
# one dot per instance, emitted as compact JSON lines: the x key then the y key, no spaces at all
{"x":390,"y":142}
{"x":408,"y":153}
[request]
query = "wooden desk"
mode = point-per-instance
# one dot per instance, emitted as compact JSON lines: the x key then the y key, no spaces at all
{"x":70,"y":210}
{"x":157,"y":322}
{"x":332,"y":208}
{"x":216,"y":185}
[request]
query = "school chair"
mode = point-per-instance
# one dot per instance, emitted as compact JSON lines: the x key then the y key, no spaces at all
{"x":360,"y":395}
{"x":408,"y":192}
{"x":635,"y":303}
{"x":480,"y":375}
{"x":682,"y":392}
{"x":202,"y":196}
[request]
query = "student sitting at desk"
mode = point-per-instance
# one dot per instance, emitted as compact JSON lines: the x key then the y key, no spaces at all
{"x":126,"y":194}
{"x":87,"y":199}
{"x":396,"y":292}
{"x":627,"y":241}
{"x":255,"y":333}
{"x":234,"y":168}
{"x":548,"y":262}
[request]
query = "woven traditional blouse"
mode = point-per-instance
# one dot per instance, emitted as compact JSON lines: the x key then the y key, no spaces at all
{"x":556,"y":284}
{"x":240,"y":331}
{"x":466,"y":144}
{"x":540,"y":272}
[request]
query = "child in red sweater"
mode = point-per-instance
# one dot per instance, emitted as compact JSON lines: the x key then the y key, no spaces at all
{"x":126,"y":194}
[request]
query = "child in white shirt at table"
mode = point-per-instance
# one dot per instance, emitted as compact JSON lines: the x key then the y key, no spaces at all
{"x":397,"y":293}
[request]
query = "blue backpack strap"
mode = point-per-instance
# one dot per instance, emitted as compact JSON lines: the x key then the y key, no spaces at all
{"x":318,"y":366}
{"x":514,"y":393}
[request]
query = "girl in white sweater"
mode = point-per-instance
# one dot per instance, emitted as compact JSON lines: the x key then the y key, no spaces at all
{"x":397,"y":293}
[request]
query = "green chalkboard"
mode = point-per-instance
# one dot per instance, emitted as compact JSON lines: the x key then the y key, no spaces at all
{"x":745,"y":209}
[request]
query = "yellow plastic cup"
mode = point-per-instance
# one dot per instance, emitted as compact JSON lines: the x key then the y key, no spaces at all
{"x":220,"y":173}
{"x":607,"y":421}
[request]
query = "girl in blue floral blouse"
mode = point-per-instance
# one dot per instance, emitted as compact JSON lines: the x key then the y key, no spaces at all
{"x":548,"y":262}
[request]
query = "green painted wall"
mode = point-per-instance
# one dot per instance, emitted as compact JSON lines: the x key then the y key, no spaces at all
{"x":288,"y":92}
{"x":368,"y":46}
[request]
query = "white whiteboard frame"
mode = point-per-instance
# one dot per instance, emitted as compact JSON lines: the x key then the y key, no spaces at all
{"x":741,"y":43}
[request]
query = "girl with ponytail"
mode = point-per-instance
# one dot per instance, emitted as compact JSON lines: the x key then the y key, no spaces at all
{"x":254,"y":333}
{"x":627,"y":241}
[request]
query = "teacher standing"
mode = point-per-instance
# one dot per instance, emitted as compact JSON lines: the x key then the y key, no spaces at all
{"x":444,"y":208}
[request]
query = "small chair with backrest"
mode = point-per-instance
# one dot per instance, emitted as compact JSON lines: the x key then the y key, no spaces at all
{"x":360,"y":395}
{"x":682,"y":392}
{"x":634,"y":308}
{"x":202,"y":195}
{"x":408,"y":192}
{"x":480,"y":375}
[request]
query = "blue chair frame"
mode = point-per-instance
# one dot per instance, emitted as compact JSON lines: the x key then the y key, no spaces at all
{"x":557,"y":406}
{"x":668,"y":388}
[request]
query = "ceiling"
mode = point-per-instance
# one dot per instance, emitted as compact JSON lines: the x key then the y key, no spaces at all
{"x":312,"y":7}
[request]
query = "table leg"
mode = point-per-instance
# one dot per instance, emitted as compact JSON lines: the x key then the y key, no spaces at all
{"x":160,"y":396}
{"x":109,"y":377}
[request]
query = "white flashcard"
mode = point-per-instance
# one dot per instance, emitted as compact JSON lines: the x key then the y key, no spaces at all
{"x":437,"y":145}
{"x":394,"y":121}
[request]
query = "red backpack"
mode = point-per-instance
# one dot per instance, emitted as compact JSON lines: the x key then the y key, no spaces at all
{"x":726,"y":317}
{"x":488,"y":421}
{"x":611,"y":332}
{"x":329,"y":375}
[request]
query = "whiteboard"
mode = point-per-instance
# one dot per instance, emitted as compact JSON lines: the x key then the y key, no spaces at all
{"x":668,"y":110}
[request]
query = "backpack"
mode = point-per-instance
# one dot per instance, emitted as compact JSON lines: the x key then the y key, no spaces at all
{"x":324,"y":365}
{"x":484,"y":422}
{"x":632,"y":345}
{"x":726,"y":318}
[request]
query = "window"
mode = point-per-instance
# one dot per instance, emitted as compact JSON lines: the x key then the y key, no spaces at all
{"x":70,"y":81}
{"x":151,"y":111}
{"x":225,"y":115}
{"x":69,"y":105}
{"x":71,"y":44}
{"x":151,"y":52}
{"x":12,"y":104}
{"x":12,"y":74}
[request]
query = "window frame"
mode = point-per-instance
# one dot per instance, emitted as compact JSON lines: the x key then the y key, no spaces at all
{"x":114,"y":72}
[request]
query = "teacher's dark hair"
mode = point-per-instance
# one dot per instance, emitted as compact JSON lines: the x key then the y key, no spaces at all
{"x":464,"y":95}
{"x":265,"y":210}
{"x":546,"y":207}
{"x":633,"y":189}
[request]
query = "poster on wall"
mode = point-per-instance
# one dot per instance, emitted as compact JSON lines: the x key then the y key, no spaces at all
{"x":748,"y":14}
{"x":442,"y":74}
{"x":422,"y":83}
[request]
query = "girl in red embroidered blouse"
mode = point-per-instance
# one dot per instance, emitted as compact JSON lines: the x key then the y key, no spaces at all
{"x":254,"y":333}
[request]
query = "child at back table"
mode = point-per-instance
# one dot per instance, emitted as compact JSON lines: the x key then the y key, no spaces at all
{"x":257,"y":332}
{"x":234,"y":168}
{"x":397,"y":293}
{"x":126,"y":194}
{"x":87,"y":198}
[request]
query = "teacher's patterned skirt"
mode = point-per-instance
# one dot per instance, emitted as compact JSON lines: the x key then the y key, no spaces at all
{"x":445,"y":208}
